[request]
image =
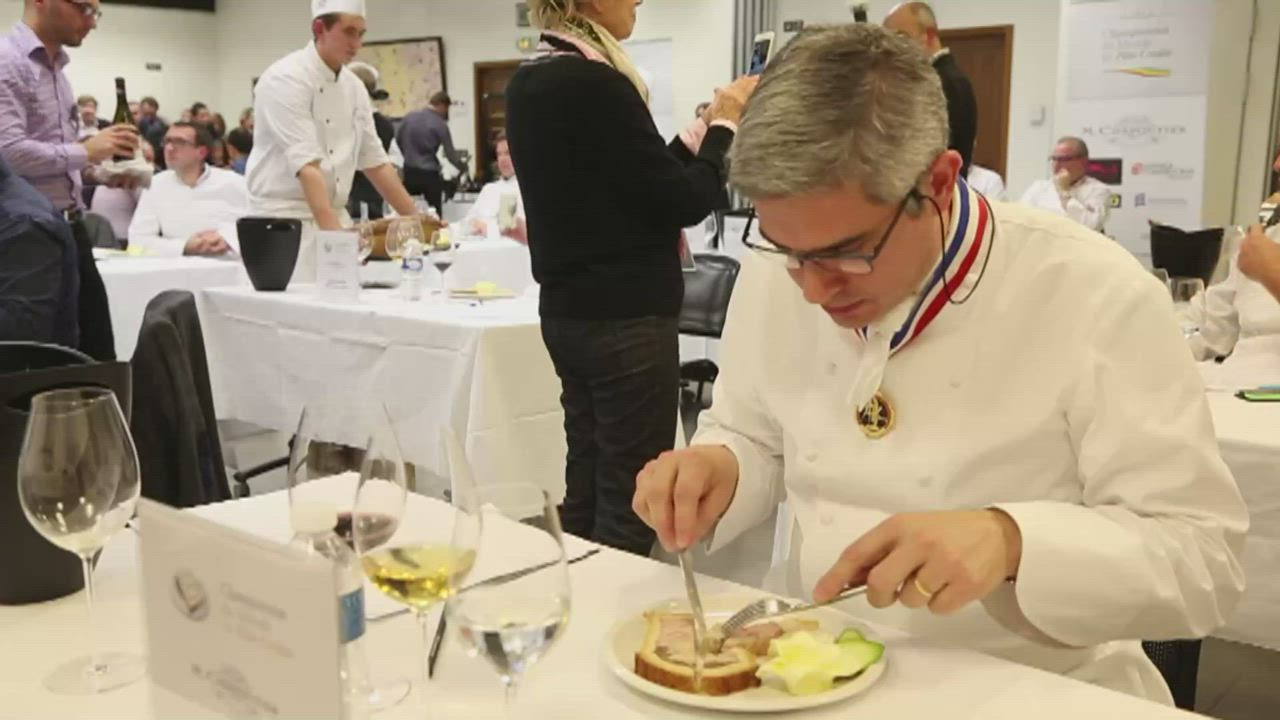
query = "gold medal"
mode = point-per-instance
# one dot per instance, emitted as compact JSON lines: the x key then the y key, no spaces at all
{"x":876,"y":418}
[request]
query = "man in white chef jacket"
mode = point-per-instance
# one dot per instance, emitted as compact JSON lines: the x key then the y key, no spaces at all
{"x":314,"y":128}
{"x":987,"y":416}
{"x":1071,"y":191}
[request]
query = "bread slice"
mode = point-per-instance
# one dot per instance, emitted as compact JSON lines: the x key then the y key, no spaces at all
{"x":667,"y":658}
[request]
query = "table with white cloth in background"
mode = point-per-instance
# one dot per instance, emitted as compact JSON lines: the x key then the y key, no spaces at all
{"x":1249,"y":436}
{"x":922,"y":680}
{"x":480,"y":367}
{"x":500,"y":261}
{"x":132,"y":282}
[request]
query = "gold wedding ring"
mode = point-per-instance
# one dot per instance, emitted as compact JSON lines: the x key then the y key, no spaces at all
{"x":920,"y":588}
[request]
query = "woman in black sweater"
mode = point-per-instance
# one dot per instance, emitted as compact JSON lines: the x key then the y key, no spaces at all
{"x":605,"y":200}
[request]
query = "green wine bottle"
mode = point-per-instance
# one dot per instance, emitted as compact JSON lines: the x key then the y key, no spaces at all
{"x":123,"y":116}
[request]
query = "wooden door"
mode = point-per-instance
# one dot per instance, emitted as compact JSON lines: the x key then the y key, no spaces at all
{"x":985,"y":54}
{"x":491,"y":80}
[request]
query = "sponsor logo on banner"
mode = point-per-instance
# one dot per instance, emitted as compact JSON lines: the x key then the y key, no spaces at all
{"x":1133,"y":130}
{"x":1145,"y":200}
{"x":1164,"y":169}
{"x":1106,"y":170}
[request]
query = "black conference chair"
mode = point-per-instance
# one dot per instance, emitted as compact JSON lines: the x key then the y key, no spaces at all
{"x":31,"y":568}
{"x":706,"y":306}
{"x":1186,"y":254}
{"x":1179,"y":662}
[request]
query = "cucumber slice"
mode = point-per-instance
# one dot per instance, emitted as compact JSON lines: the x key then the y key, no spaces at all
{"x":849,"y":635}
{"x":860,"y":654}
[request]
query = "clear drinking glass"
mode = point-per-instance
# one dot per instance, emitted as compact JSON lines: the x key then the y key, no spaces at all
{"x":78,"y":483}
{"x":443,"y":254}
{"x":1184,"y":291}
{"x":400,"y":233}
{"x":336,"y":444}
{"x":416,"y":551}
{"x":513,"y":620}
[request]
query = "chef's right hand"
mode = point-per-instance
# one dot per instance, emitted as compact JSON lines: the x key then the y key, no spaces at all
{"x":684,"y":493}
{"x":115,"y":140}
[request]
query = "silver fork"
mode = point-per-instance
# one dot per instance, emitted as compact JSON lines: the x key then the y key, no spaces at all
{"x":768,"y":608}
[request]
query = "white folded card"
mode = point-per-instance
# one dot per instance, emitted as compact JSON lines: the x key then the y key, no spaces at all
{"x":338,"y":264}
{"x":241,"y":625}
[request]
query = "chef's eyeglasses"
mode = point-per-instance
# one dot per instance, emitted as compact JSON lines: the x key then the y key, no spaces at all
{"x":1064,"y":158}
{"x":85,"y":8}
{"x":837,"y":258}
{"x":179,"y":142}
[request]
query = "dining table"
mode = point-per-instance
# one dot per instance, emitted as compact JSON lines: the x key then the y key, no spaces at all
{"x":922,"y":679}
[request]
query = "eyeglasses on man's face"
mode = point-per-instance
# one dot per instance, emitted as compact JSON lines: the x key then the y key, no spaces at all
{"x":86,"y":8}
{"x":178,"y":142}
{"x":837,"y":258}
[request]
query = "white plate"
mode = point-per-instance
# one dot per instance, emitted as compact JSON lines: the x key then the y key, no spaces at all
{"x":626,"y":636}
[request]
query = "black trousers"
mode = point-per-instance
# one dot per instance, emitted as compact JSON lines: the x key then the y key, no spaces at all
{"x":620,"y":381}
{"x":427,"y":183}
{"x":97,"y":340}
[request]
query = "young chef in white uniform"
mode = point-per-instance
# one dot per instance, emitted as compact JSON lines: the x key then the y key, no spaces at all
{"x":989,"y":417}
{"x":314,"y":128}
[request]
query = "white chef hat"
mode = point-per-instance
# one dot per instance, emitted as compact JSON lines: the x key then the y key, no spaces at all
{"x":325,"y":7}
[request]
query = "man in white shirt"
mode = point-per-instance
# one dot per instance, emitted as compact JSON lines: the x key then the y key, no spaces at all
{"x":1239,"y":318}
{"x":314,"y":128}
{"x":987,"y":182}
{"x":1072,"y":192}
{"x":191,"y":208}
{"x":499,"y":204}
{"x":986,"y":416}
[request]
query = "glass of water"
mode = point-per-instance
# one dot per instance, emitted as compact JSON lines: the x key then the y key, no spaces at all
{"x":512,"y":620}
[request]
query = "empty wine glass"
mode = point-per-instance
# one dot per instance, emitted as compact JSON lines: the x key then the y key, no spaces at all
{"x":78,"y":484}
{"x":1184,"y":291}
{"x":338,"y":442}
{"x":367,"y":239}
{"x":443,"y":251}
{"x":513,"y":619}
{"x":416,"y":551}
{"x":401,"y":232}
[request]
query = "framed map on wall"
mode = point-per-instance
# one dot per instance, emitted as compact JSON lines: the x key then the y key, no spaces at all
{"x":412,"y":71}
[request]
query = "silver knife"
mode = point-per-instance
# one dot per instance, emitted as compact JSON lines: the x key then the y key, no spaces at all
{"x":699,"y":618}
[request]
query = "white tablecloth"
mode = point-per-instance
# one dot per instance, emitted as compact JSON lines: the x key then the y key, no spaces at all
{"x":132,"y":282}
{"x":481,"y":367}
{"x":1249,"y":435}
{"x":922,"y":682}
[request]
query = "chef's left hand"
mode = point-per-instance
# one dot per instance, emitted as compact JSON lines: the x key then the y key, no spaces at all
{"x":943,"y":560}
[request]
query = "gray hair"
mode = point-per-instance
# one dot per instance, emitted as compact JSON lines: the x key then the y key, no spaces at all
{"x":1082,"y":149}
{"x":849,"y":104}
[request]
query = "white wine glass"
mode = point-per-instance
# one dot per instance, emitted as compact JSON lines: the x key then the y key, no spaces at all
{"x":1184,"y":291}
{"x":443,"y":255}
{"x":512,"y":620}
{"x":366,"y":241}
{"x":401,"y":232}
{"x":337,"y":443}
{"x":416,"y":551}
{"x":78,"y":483}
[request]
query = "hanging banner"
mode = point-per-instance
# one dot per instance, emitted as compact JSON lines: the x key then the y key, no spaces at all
{"x":1137,"y":74}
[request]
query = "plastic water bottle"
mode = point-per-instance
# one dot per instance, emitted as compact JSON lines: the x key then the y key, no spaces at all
{"x":412,"y":271}
{"x":313,"y":526}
